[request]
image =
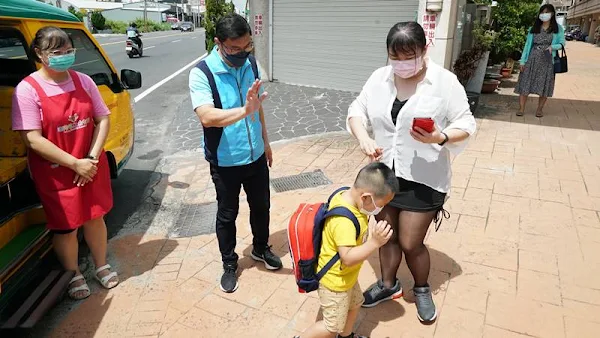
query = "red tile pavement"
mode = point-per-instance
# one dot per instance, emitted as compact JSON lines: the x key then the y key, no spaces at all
{"x":518,"y":258}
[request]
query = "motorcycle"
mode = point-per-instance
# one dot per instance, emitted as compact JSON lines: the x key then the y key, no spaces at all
{"x":132,"y":49}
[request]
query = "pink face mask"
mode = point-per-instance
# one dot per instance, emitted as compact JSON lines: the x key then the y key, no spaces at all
{"x":407,"y":68}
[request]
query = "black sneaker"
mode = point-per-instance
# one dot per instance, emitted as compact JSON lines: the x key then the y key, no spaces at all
{"x":378,"y":293}
{"x":272,"y":262}
{"x":425,"y":307}
{"x":229,"y":278}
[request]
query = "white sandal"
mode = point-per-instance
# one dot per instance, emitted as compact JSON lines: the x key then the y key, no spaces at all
{"x":83,"y":287}
{"x":105,"y":281}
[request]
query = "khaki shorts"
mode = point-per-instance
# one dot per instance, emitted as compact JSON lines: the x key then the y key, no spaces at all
{"x":336,"y":305}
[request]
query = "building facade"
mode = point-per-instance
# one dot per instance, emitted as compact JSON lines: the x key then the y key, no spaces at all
{"x":337,"y":44}
{"x":586,"y":14}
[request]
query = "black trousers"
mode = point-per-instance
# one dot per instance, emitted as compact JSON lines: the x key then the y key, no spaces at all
{"x":254,"y":178}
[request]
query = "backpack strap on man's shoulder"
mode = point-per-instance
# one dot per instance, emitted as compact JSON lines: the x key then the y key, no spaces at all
{"x":211,"y":81}
{"x":254,"y":65}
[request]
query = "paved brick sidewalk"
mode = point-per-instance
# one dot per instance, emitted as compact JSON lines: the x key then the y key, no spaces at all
{"x":518,"y":258}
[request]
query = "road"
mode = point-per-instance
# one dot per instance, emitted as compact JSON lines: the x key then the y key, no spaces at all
{"x":164,"y":54}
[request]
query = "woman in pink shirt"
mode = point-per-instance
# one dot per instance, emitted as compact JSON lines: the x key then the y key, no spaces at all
{"x":64,"y":122}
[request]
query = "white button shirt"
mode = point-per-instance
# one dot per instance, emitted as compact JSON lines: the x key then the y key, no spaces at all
{"x":439,"y":96}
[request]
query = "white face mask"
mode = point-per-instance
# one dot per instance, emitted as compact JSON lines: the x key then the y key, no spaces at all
{"x":545,"y":17}
{"x":374,"y":212}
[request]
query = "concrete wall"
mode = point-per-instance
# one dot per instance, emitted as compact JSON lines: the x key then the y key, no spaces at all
{"x":261,"y":42}
{"x":130,"y":15}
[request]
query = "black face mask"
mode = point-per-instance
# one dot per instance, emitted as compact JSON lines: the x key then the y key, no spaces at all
{"x":237,"y":60}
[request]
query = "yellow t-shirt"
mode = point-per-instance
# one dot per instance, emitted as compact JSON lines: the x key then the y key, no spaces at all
{"x":340,"y":231}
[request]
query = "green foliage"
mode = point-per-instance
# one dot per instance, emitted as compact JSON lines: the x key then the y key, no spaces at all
{"x":79,"y":15}
{"x":98,"y":20}
{"x":119,"y":27}
{"x":215,"y":9}
{"x":512,"y":20}
{"x":468,"y":60}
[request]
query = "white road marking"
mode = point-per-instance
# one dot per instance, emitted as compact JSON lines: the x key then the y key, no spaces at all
{"x":85,"y":63}
{"x":143,"y":39}
{"x":150,"y":47}
{"x":167,"y":79}
{"x":194,"y":38}
{"x":176,"y":41}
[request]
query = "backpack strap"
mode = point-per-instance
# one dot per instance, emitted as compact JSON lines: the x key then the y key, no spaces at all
{"x":212,"y":135}
{"x":211,"y":81}
{"x":342,"y":212}
{"x":337,"y":192}
{"x":254,"y":65}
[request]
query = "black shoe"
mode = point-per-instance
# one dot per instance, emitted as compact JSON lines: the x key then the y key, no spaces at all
{"x":378,"y":293}
{"x":272,"y":262}
{"x":229,"y":281}
{"x":426,"y":310}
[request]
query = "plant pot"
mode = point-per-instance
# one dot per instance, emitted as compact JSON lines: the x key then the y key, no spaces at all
{"x":490,"y":86}
{"x":506,"y":72}
{"x":473,"y":101}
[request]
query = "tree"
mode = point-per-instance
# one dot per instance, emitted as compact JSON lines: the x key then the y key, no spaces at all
{"x":98,"y":20}
{"x":215,"y":10}
{"x":512,"y":20}
{"x":79,"y":15}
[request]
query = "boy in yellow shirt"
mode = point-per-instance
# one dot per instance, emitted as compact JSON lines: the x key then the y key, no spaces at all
{"x":339,"y":293}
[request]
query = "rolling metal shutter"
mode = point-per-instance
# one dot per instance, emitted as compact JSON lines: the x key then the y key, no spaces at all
{"x":333,"y":44}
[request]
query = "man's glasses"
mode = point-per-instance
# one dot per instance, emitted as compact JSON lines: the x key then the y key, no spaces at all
{"x":236,"y":50}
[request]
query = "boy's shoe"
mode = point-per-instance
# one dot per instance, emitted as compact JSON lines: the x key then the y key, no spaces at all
{"x":426,"y":310}
{"x":272,"y":262}
{"x":229,"y":280}
{"x":353,"y":335}
{"x":378,"y":293}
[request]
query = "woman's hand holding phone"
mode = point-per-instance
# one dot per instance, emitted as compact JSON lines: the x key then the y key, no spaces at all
{"x":419,"y":133}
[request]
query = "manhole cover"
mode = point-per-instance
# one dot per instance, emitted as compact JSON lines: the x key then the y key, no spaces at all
{"x":300,"y":181}
{"x":195,"y":220}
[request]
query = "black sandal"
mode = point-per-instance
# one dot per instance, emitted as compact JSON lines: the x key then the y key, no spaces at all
{"x":539,"y":114}
{"x":520,"y":113}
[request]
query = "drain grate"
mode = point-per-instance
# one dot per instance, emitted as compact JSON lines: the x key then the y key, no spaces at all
{"x":300,"y":181}
{"x":195,"y":220}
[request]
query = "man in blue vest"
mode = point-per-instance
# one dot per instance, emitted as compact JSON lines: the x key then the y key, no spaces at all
{"x":227,"y":97}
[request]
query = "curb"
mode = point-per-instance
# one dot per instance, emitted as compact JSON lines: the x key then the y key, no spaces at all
{"x":300,"y":138}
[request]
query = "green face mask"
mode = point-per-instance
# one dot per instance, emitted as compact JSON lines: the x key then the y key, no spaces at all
{"x":61,"y":63}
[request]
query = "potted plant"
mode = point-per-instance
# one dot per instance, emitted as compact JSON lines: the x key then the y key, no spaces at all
{"x":471,"y":65}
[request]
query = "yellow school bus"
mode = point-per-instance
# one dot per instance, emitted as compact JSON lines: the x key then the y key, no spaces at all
{"x":29,"y":284}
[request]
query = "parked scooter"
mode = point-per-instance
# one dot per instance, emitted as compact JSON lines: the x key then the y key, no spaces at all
{"x":132,"y":49}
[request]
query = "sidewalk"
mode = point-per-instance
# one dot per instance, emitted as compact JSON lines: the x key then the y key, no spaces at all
{"x":518,"y":258}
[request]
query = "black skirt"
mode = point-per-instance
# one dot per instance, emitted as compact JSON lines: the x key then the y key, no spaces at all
{"x":417,"y":197}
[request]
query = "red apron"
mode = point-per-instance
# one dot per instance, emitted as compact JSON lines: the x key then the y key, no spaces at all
{"x":68,"y":122}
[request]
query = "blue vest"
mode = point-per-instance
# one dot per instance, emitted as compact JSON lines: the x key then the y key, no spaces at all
{"x":240,"y":143}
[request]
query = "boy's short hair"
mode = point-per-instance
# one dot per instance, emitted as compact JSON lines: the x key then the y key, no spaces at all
{"x":378,"y":179}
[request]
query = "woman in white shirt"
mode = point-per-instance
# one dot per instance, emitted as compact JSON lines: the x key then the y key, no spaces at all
{"x":411,"y":87}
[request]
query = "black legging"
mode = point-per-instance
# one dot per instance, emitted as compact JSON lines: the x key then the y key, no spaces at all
{"x":410,"y":229}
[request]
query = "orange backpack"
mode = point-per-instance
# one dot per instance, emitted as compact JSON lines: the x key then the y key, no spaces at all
{"x":305,"y":235}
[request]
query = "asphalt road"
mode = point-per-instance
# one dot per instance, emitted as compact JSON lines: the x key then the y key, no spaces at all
{"x":164,"y":54}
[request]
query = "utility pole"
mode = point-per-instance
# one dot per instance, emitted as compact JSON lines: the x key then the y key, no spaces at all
{"x":145,"y":17}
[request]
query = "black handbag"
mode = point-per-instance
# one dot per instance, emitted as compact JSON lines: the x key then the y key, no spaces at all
{"x":560,"y":62}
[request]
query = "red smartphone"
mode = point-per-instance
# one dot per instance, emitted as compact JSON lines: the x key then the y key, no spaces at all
{"x":425,"y":123}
